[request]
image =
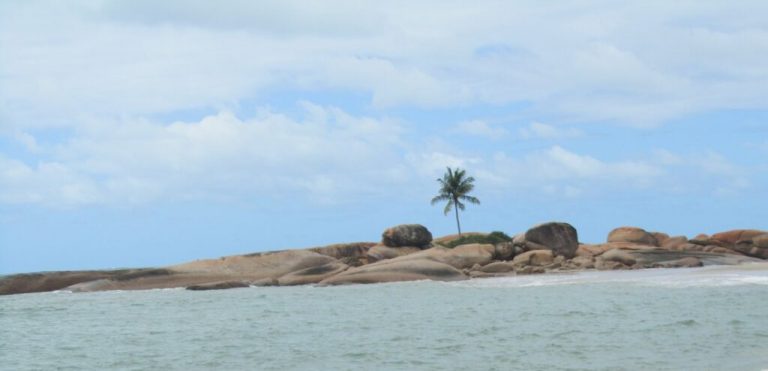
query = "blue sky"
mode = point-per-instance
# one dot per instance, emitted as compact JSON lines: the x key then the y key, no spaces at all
{"x":143,"y":134}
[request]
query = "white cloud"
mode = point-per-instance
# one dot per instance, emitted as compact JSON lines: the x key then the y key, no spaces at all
{"x":557,"y":163}
{"x":480,"y":128}
{"x":537,"y":130}
{"x":220,"y":156}
{"x":624,"y":60}
{"x":433,"y":163}
{"x":552,"y":171}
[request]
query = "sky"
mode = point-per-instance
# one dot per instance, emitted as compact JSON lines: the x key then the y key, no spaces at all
{"x":146,"y":133}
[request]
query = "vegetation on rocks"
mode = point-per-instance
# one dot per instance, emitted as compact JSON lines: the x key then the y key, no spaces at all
{"x":491,"y":238}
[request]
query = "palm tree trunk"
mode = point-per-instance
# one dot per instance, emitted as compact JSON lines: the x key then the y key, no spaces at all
{"x":456,"y":209}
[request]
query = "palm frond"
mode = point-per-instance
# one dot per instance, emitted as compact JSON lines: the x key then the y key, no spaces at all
{"x":438,"y":198}
{"x":448,"y":207}
{"x":470,"y":199}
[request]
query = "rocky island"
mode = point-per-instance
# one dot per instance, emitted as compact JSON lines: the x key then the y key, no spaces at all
{"x":408,"y":253}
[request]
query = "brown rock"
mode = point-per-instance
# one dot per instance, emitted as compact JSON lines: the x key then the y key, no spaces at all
{"x":674,"y":243}
{"x":394,"y":270}
{"x":618,"y":255}
{"x":51,"y":281}
{"x":584,"y":262}
{"x":589,"y":250}
{"x":344,"y":250}
{"x":687,"y":262}
{"x":498,"y":267}
{"x":463,"y":256}
{"x":381,"y":252}
{"x":730,"y":238}
{"x":750,"y":249}
{"x":561,"y":238}
{"x":265,"y":282}
{"x":407,"y":235}
{"x":607,"y":265}
{"x":707,"y":248}
{"x":397,"y":269}
{"x":534,"y":258}
{"x":700,"y":239}
{"x":312,"y":275}
{"x":460,"y":257}
{"x":660,"y":237}
{"x":504,"y":251}
{"x":761,"y":241}
{"x":257,"y":266}
{"x":650,"y":257}
{"x":633,"y":235}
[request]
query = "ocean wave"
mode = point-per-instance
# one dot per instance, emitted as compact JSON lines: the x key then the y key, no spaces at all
{"x":671,"y":278}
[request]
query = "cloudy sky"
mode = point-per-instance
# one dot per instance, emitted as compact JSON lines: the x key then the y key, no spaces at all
{"x":137,"y":133}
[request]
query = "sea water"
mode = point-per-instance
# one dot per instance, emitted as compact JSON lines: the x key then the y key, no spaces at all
{"x":684,"y":319}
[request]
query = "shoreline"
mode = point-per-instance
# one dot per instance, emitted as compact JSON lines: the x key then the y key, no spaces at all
{"x":409,"y":253}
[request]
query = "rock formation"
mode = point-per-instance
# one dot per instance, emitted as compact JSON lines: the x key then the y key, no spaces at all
{"x":406,"y":253}
{"x":560,"y":238}
{"x":407,"y":235}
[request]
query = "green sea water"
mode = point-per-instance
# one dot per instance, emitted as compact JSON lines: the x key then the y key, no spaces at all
{"x":685,"y":319}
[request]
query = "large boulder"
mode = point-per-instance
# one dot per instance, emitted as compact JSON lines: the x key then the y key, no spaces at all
{"x":312,"y":275}
{"x":633,"y":235}
{"x":560,"y":238}
{"x":406,"y":235}
{"x":395,"y":270}
{"x":749,"y":242}
{"x":731,"y":238}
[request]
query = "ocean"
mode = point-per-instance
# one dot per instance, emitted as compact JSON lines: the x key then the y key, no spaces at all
{"x":712,"y":318}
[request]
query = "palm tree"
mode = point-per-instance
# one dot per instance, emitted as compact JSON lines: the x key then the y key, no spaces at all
{"x":454,"y":187}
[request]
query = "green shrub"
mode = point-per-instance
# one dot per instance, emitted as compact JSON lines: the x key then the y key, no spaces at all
{"x":492,"y":238}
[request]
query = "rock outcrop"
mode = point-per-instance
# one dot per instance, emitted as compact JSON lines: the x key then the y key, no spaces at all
{"x":407,"y":235}
{"x":406,"y":255}
{"x":395,"y":270}
{"x":312,"y":275}
{"x":560,"y":238}
{"x":52,"y":281}
{"x":633,"y":235}
{"x":534,"y":258}
{"x":381,"y":252}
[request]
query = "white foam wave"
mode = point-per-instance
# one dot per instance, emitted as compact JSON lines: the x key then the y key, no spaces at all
{"x":672,"y":278}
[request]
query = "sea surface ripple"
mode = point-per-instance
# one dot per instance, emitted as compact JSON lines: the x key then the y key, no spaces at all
{"x":683,"y":319}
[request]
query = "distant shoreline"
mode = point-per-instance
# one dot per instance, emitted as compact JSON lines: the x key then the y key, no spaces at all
{"x":408,"y":253}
